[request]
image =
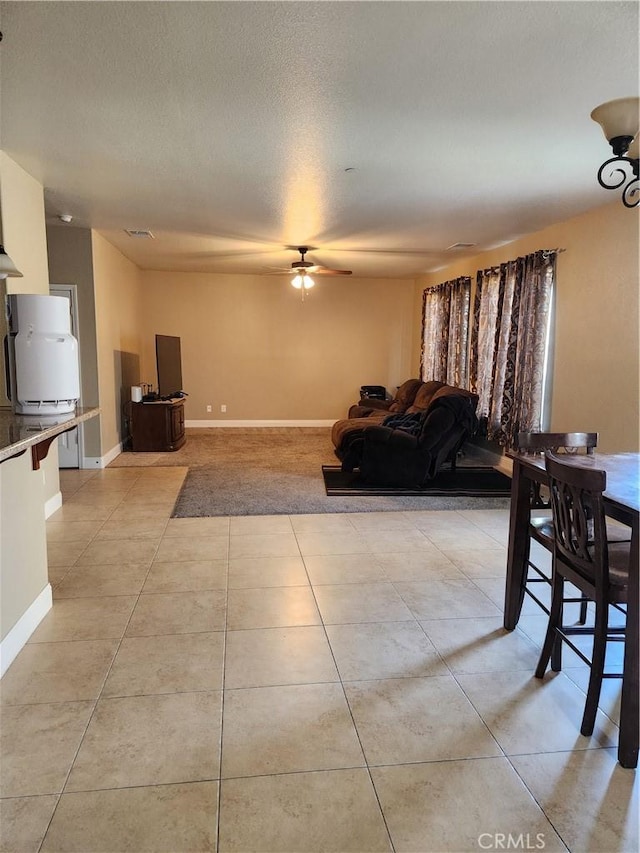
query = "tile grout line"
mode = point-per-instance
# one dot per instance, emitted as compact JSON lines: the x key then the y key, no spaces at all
{"x":223,"y":692}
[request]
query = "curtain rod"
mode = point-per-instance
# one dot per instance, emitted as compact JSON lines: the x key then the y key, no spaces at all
{"x":545,"y":254}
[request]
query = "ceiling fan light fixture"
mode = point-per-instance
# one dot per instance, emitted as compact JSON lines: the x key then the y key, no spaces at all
{"x":302,"y":281}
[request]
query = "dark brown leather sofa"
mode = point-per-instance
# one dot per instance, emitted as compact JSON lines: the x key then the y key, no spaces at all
{"x":428,"y":422}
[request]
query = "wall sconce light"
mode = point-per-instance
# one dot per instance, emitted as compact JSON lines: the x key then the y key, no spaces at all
{"x":7,"y":268}
{"x":620,"y":121}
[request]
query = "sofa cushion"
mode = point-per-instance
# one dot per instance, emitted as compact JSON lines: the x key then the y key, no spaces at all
{"x":424,"y":396}
{"x":405,"y":395}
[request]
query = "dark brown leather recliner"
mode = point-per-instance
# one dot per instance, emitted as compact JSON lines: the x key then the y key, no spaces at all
{"x":412,"y":449}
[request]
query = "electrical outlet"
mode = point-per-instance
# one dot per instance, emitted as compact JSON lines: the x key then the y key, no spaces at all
{"x":208,"y":408}
{"x":223,"y":408}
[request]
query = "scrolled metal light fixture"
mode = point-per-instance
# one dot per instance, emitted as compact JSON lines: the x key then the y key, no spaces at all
{"x":620,"y":122}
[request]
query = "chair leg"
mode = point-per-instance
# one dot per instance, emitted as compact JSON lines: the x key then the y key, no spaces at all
{"x":556,"y":649}
{"x":552,"y":639}
{"x":583,"y":611}
{"x":597,"y":668}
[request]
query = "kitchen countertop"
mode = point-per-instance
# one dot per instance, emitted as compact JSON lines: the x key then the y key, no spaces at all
{"x":20,"y":432}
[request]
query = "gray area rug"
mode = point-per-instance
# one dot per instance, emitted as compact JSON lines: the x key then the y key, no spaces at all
{"x":274,"y":472}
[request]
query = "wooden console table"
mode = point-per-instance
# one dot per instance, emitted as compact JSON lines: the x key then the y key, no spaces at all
{"x":157,"y":426}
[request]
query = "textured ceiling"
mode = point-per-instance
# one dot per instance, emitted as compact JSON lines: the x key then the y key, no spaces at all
{"x":226,"y":127}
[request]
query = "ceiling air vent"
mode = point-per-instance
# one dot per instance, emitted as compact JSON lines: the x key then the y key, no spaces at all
{"x":143,"y":235}
{"x":455,"y":246}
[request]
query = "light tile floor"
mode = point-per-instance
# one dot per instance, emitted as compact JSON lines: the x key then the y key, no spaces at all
{"x":293,"y":683}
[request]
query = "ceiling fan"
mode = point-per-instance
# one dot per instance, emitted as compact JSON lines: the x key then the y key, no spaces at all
{"x":304,"y":267}
{"x":301,"y":271}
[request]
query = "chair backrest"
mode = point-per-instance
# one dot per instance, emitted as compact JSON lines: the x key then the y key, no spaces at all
{"x":578,"y":516}
{"x":565,"y":442}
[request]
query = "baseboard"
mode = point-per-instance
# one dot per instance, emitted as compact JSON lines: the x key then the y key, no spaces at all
{"x":18,"y":636}
{"x":226,"y":423}
{"x":52,"y":505}
{"x":102,"y":461}
{"x":91,"y":462}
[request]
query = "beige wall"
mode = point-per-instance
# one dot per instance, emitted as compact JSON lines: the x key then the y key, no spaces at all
{"x":23,"y":227}
{"x":119,"y":310}
{"x":249,"y":342}
{"x":596,"y":363}
{"x":23,"y":236}
{"x":23,"y":547}
{"x":71,"y":262}
{"x":23,"y":492}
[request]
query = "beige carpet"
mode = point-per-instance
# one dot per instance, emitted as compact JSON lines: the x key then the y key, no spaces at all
{"x":270,"y":447}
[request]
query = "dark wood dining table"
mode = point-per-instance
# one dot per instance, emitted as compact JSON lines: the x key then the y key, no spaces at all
{"x":622,"y":503}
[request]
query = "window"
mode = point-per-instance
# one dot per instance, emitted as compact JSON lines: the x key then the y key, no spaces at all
{"x":510,"y":342}
{"x":445,"y":332}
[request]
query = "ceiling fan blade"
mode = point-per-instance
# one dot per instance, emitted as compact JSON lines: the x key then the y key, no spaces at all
{"x":304,"y":267}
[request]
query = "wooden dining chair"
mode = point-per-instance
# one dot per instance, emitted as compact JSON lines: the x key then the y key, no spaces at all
{"x":583,"y":556}
{"x":541,"y":526}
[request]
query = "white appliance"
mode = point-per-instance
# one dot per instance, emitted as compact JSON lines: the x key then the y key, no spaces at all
{"x":43,"y":375}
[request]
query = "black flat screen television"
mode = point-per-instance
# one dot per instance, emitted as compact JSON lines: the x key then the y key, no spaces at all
{"x":169,"y":364}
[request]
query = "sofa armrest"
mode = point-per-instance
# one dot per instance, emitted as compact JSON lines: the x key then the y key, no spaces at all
{"x":358,"y":411}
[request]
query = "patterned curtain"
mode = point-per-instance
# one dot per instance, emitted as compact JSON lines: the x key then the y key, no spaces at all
{"x":486,"y":310}
{"x":509,"y":344}
{"x":445,"y":332}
